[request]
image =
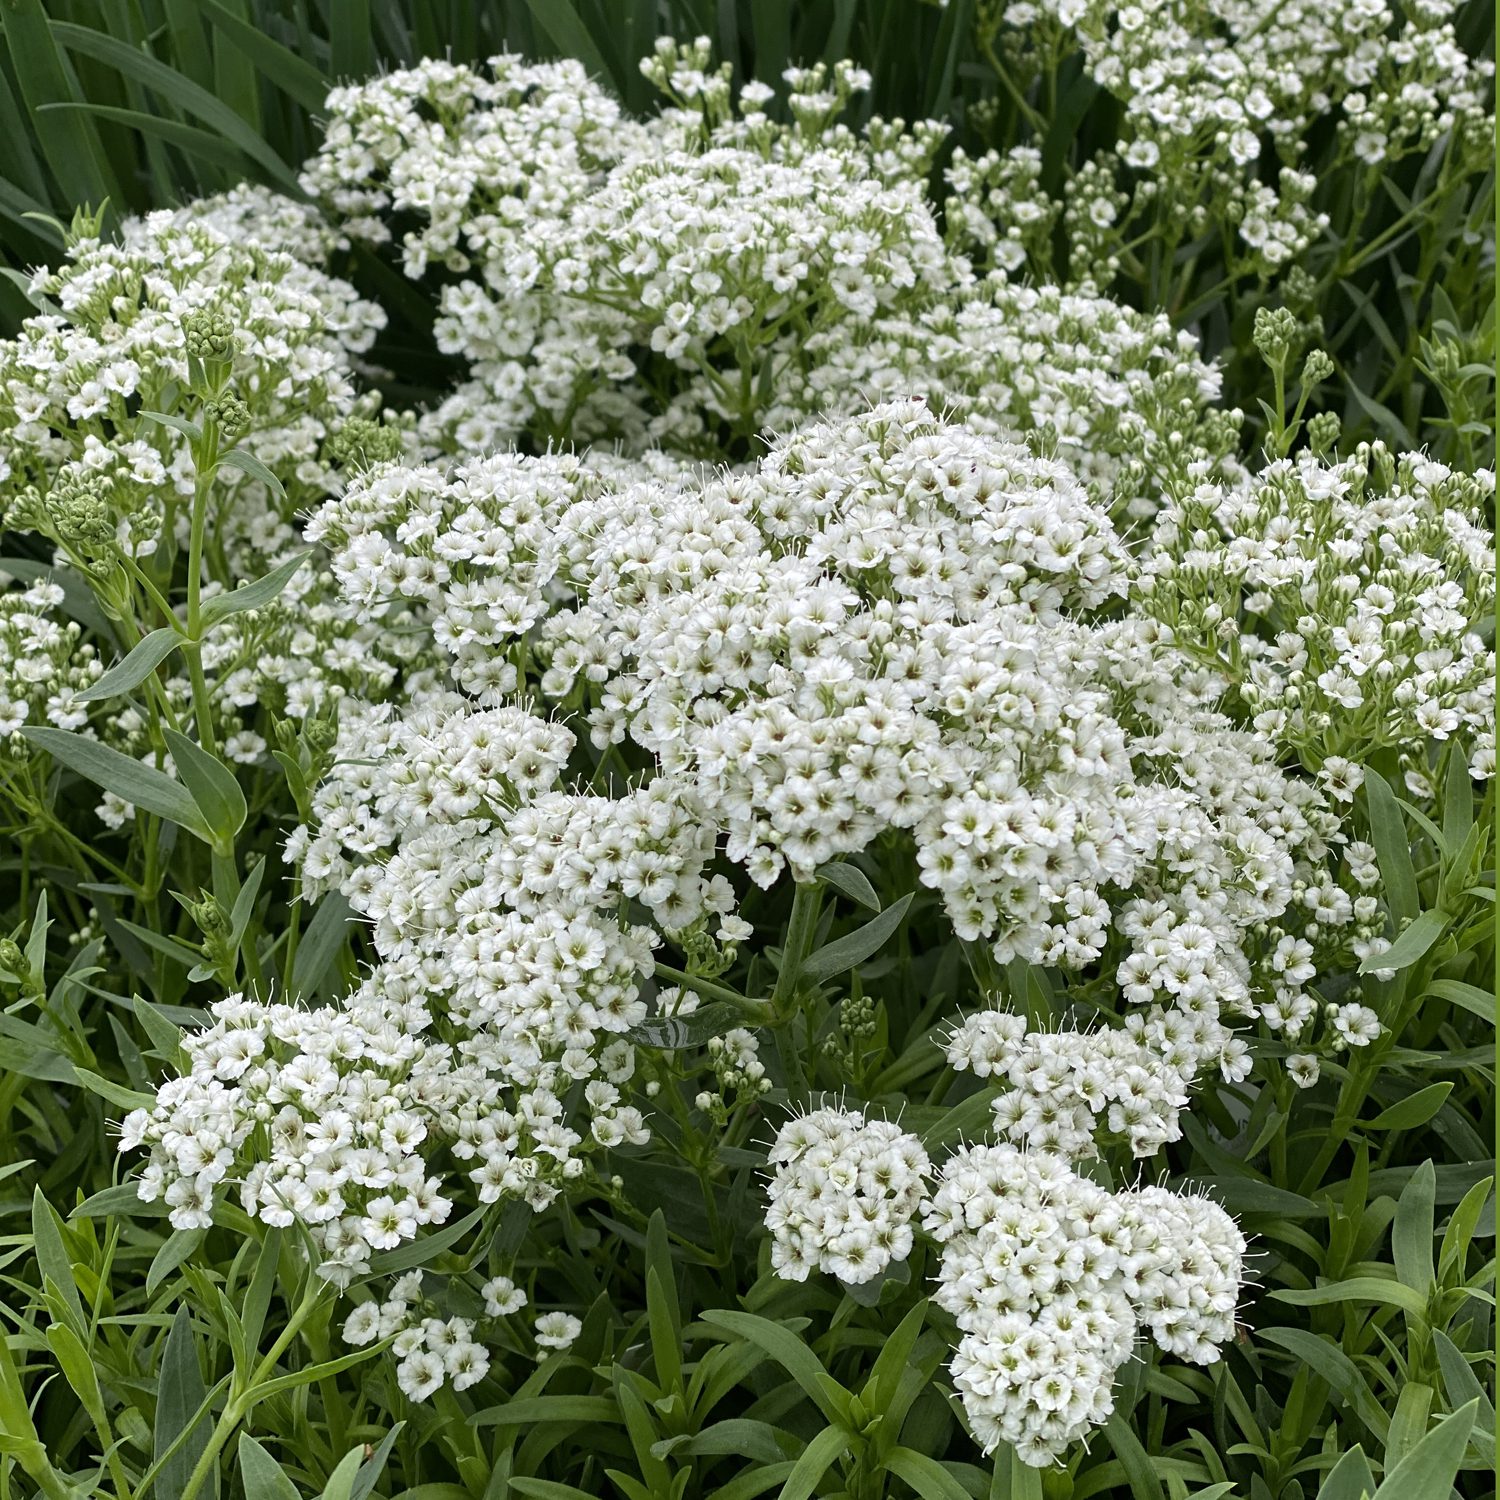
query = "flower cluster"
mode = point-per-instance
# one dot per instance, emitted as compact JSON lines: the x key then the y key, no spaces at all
{"x":82,"y":459}
{"x":1051,"y":1277}
{"x":1347,"y":597}
{"x":843,"y":1195}
{"x":46,"y":664}
{"x":1210,"y":89}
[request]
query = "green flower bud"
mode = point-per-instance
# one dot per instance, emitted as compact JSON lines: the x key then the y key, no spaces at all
{"x":11,"y":958}
{"x":1317,"y":366}
{"x":1275,"y":330}
{"x":209,"y":334}
{"x":232,"y":415}
{"x":80,"y":513}
{"x":1323,"y":432}
{"x":363,"y":442}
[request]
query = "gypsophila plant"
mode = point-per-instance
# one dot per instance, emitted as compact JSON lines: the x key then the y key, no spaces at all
{"x":731,"y":772}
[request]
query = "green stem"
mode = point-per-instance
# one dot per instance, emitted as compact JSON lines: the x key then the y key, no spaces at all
{"x":759,"y":1009}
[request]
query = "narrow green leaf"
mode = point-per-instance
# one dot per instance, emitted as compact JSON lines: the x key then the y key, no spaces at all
{"x":814,"y":1463}
{"x":116,"y":1093}
{"x":320,"y":944}
{"x":560,"y":20}
{"x":1416,"y":1109}
{"x":247,"y":463}
{"x":926,"y":1476}
{"x":1349,"y":1479}
{"x":52,"y":1257}
{"x":142,"y":786}
{"x":791,"y":1354}
{"x":262,"y":1476}
{"x":1392,"y":847}
{"x":281,"y":67}
{"x":1358,"y":1289}
{"x":144,"y":658}
{"x":252,"y":595}
{"x":1413,"y":1229}
{"x":179,"y":91}
{"x":1428,"y":1471}
{"x":849,"y":880}
{"x":180,"y":1393}
{"x":1412,"y":944}
{"x":212,"y":785}
{"x":855,"y":947}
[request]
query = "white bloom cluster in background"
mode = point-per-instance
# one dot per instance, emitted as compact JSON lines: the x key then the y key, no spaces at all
{"x":81,"y":463}
{"x":1052,"y":1278}
{"x":843,"y":1195}
{"x":763,"y":273}
{"x":1210,"y":88}
{"x":1362,"y":584}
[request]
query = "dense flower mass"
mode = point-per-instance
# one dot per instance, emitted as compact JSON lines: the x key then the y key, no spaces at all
{"x":840,"y":747}
{"x":1051,"y":1278}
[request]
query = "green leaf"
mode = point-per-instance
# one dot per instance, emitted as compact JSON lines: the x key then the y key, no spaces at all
{"x":247,"y":463}
{"x":1461,"y":1383}
{"x":372,"y":1468}
{"x":791,"y":1354}
{"x":281,"y":67}
{"x":926,"y":1476}
{"x":180,"y":1393}
{"x":340,"y":1484}
{"x":144,"y":658}
{"x":142,"y":786}
{"x":1392,"y":847}
{"x":1329,"y":1362}
{"x":52,"y":1257}
{"x":814,"y":1462}
{"x":320,"y":944}
{"x":213,"y":787}
{"x":967,"y":1119}
{"x":1416,"y":1109}
{"x":1358,"y":1289}
{"x":559,"y":19}
{"x":1349,"y":1479}
{"x":252,"y":595}
{"x":189,"y":429}
{"x":849,"y":880}
{"x":1413,"y":942}
{"x":528,"y":1411}
{"x":262,"y":1477}
{"x":672,"y":1033}
{"x":1144,"y":1484}
{"x":80,"y":166}
{"x":1481,"y":1003}
{"x":1413,"y":1229}
{"x":180,"y":92}
{"x":176,"y":1248}
{"x":1428,"y":1471}
{"x":854,"y":947}
{"x":116,"y":1093}
{"x":1458,"y":801}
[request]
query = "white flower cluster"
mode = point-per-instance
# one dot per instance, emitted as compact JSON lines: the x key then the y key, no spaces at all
{"x":1207,"y":88}
{"x":1364,"y":583}
{"x":843,"y":1195}
{"x":1062,"y":1085}
{"x":1051,"y":1278}
{"x":78,"y":460}
{"x":43,"y":663}
{"x":430,"y":1350}
{"x":1120,"y":396}
{"x":762,"y":273}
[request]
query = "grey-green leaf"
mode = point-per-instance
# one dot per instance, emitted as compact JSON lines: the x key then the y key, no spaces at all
{"x":213,"y":787}
{"x":855,"y":947}
{"x":142,"y":786}
{"x":252,"y":595}
{"x":180,"y":1393}
{"x":144,"y":658}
